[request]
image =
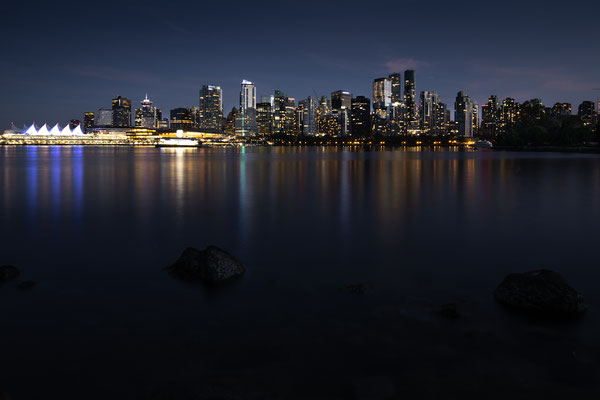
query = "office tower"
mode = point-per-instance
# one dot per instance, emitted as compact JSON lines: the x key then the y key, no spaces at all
{"x":410,"y":99}
{"x":264,"y":118}
{"x":361,"y":116}
{"x":463,"y":114}
{"x":195,"y":113}
{"x":341,"y":99}
{"x":395,"y":123}
{"x":427,"y":111}
{"x":307,"y":116}
{"x":211,"y":109}
{"x":490,"y":117}
{"x":245,"y":123}
{"x":291,"y":124}
{"x":508,"y":114}
{"x":475,"y":118}
{"x":147,"y":116}
{"x":323,"y":116}
{"x":382,"y":97}
{"x":230,"y":121}
{"x":396,"y":81}
{"x":442,"y":118}
{"x":74,"y":123}
{"x":182,"y":118}
{"x":103,"y":118}
{"x":162,"y":124}
{"x":279,"y":112}
{"x":88,"y":121}
{"x":121,"y":108}
{"x":561,"y":110}
{"x":587,"y":113}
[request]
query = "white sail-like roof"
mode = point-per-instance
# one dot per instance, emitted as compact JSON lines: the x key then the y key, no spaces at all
{"x":55,"y":130}
{"x":43,"y":130}
{"x":77,"y":131}
{"x":66,"y":131}
{"x":31,"y":130}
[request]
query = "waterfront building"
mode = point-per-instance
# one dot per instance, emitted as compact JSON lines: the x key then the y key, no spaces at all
{"x":587,"y":113}
{"x":121,"y":108}
{"x":182,"y":118}
{"x":508,"y":114}
{"x":264,"y":118}
{"x":279,"y":112}
{"x":230,"y":121}
{"x":147,"y":116}
{"x":395,"y":123}
{"x":361,"y":116}
{"x":490,"y":117}
{"x":162,"y":124}
{"x":103,"y":119}
{"x":561,"y":110}
{"x":88,"y":121}
{"x":410,"y":100}
{"x":463,"y":114}
{"x":211,"y":109}
{"x":396,"y":82}
{"x":323,"y":116}
{"x":245,"y":123}
{"x":291,"y":123}
{"x":382,"y":97}
{"x":307,"y":118}
{"x":341,"y":99}
{"x":475,"y":118}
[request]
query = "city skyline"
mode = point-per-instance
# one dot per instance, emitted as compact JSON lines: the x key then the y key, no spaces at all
{"x":54,"y":75}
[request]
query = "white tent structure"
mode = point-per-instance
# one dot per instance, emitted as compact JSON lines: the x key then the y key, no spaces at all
{"x":66,"y":131}
{"x":55,"y":130}
{"x":77,"y":131}
{"x":31,"y":130}
{"x":43,"y":131}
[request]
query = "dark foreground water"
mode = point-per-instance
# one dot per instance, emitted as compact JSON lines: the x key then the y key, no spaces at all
{"x":95,"y":227}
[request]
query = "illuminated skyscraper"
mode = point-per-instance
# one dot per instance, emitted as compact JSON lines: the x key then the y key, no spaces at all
{"x":561,"y":109}
{"x":324,"y":116}
{"x":428,"y":112}
{"x":341,"y":99}
{"x":508,"y":114}
{"x":279,"y":112}
{"x":463,"y":114}
{"x":245,"y":124}
{"x":211,"y":109}
{"x":88,"y":121}
{"x":587,"y":113}
{"x":182,"y":118}
{"x":410,"y":102}
{"x":308,"y":116}
{"x":121,"y":108}
{"x":490,"y":117}
{"x":396,"y":81}
{"x":264,"y":118}
{"x":361,"y":116}
{"x":382,"y":97}
{"x":147,"y":116}
{"x":103,"y":118}
{"x":341,"y":105}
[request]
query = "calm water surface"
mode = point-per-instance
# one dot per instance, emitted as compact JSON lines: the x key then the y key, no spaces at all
{"x":95,"y":227}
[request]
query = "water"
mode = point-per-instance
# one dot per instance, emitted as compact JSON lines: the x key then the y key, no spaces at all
{"x":94,"y":227}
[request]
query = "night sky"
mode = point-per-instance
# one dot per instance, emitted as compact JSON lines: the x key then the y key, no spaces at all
{"x":61,"y":59}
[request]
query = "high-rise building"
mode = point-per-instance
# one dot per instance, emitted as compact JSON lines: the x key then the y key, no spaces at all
{"x":264,"y":118}
{"x":587,"y":113}
{"x":324,"y":116}
{"x":463,"y":114}
{"x":211,"y":109}
{"x":230,"y":121}
{"x":245,"y":124}
{"x":475,"y":118}
{"x":396,"y":81}
{"x":508,"y":114}
{"x":74,"y":123}
{"x":490,"y":117}
{"x":341,"y":99}
{"x":432,"y":114}
{"x":410,"y":102}
{"x":291,"y":125}
{"x":121,"y":108}
{"x":182,"y":118}
{"x":103,"y":118}
{"x":562,"y":109}
{"x":382,"y":97}
{"x":361,"y":116}
{"x":88,"y":121}
{"x":147,"y":116}
{"x":308,"y":116}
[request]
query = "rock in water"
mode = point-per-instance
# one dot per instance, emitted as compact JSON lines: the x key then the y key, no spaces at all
{"x":8,"y":272}
{"x":211,"y":265}
{"x":542,"y":292}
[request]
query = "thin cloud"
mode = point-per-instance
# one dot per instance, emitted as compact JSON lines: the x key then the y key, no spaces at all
{"x":544,"y":78}
{"x":114,"y":74}
{"x":402,"y":64}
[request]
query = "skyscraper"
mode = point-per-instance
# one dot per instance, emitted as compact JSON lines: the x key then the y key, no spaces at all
{"x":103,"y":118}
{"x":147,"y":116}
{"x":361,"y":116}
{"x":410,"y":100}
{"x":121,"y":108}
{"x":382,"y":97}
{"x":88,"y":121}
{"x":463,"y":114}
{"x":264,"y":118}
{"x":587,"y":112}
{"x":246,"y":119}
{"x":341,"y":105}
{"x":396,"y":81}
{"x":428,"y":113}
{"x":279,"y":112}
{"x":308,"y":116}
{"x":211,"y":109}
{"x":490,"y":117}
{"x":182,"y":118}
{"x":341,"y":99}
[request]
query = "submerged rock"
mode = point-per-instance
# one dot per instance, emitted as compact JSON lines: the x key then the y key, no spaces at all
{"x":211,"y":265}
{"x":542,"y":292}
{"x":8,"y":272}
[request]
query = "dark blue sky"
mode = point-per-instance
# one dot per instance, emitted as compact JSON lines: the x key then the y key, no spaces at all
{"x":61,"y":59}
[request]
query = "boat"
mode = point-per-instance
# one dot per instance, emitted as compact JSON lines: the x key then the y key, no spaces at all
{"x":178,"y":142}
{"x":483,"y":144}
